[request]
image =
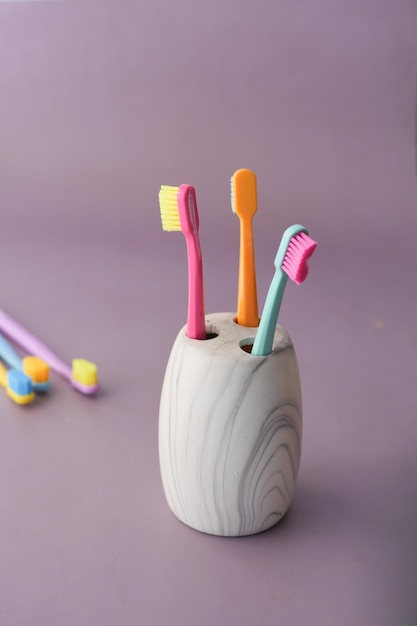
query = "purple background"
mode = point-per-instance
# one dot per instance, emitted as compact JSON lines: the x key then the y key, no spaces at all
{"x":100,"y":103}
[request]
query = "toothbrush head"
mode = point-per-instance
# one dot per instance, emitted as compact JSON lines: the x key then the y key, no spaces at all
{"x":84,"y":376}
{"x":300,"y":249}
{"x":38,"y":372}
{"x":19,"y":387}
{"x":178,"y":206}
{"x":244,"y":193}
{"x":294,"y":251}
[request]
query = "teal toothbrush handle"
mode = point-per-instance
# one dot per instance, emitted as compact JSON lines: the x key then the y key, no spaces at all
{"x":8,"y":354}
{"x":264,"y":339}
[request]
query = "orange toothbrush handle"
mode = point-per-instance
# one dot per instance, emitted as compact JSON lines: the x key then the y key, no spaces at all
{"x":247,"y":300}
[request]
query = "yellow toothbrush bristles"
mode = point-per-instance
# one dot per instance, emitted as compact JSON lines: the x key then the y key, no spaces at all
{"x":26,"y":399}
{"x":17,"y":385}
{"x":36,"y":369}
{"x":168,"y":205}
{"x":84,"y":372}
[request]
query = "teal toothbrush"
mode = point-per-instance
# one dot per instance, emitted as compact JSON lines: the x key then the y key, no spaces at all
{"x":295,"y":249}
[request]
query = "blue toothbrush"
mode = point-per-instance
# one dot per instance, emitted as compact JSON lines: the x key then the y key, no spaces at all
{"x":36,"y":369}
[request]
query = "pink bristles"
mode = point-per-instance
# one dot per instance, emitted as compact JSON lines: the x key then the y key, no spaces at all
{"x":299,"y":250}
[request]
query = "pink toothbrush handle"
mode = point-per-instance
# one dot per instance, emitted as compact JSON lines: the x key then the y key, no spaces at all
{"x":30,"y":344}
{"x":196,"y":325}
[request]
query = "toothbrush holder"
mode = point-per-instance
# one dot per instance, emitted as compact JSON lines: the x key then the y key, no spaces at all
{"x":230,"y":427}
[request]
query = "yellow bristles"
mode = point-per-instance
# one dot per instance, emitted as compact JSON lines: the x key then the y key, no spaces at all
{"x":169,"y":208}
{"x":25,"y":399}
{"x":84,"y":372}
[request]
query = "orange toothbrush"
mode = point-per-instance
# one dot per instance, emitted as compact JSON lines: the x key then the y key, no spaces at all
{"x":244,"y":204}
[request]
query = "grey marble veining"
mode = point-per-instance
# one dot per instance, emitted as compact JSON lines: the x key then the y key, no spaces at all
{"x":230,"y":430}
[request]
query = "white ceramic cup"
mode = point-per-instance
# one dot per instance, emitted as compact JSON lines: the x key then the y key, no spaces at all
{"x":230,"y":428}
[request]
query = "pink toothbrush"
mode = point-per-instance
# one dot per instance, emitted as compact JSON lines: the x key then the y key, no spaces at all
{"x":178,"y":207}
{"x":82,"y":375}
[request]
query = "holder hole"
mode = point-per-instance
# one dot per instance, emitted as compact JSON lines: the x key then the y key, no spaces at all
{"x":235,"y":322}
{"x":211,"y":335}
{"x":246,"y":344}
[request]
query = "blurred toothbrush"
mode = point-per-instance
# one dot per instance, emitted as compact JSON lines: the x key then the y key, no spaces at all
{"x":244,"y":204}
{"x":178,"y":206}
{"x":18,"y":386}
{"x":32,"y":366}
{"x":82,"y":375}
{"x":295,"y":249}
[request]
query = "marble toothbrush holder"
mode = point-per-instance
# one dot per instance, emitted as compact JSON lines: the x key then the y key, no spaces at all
{"x":230,"y":427}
